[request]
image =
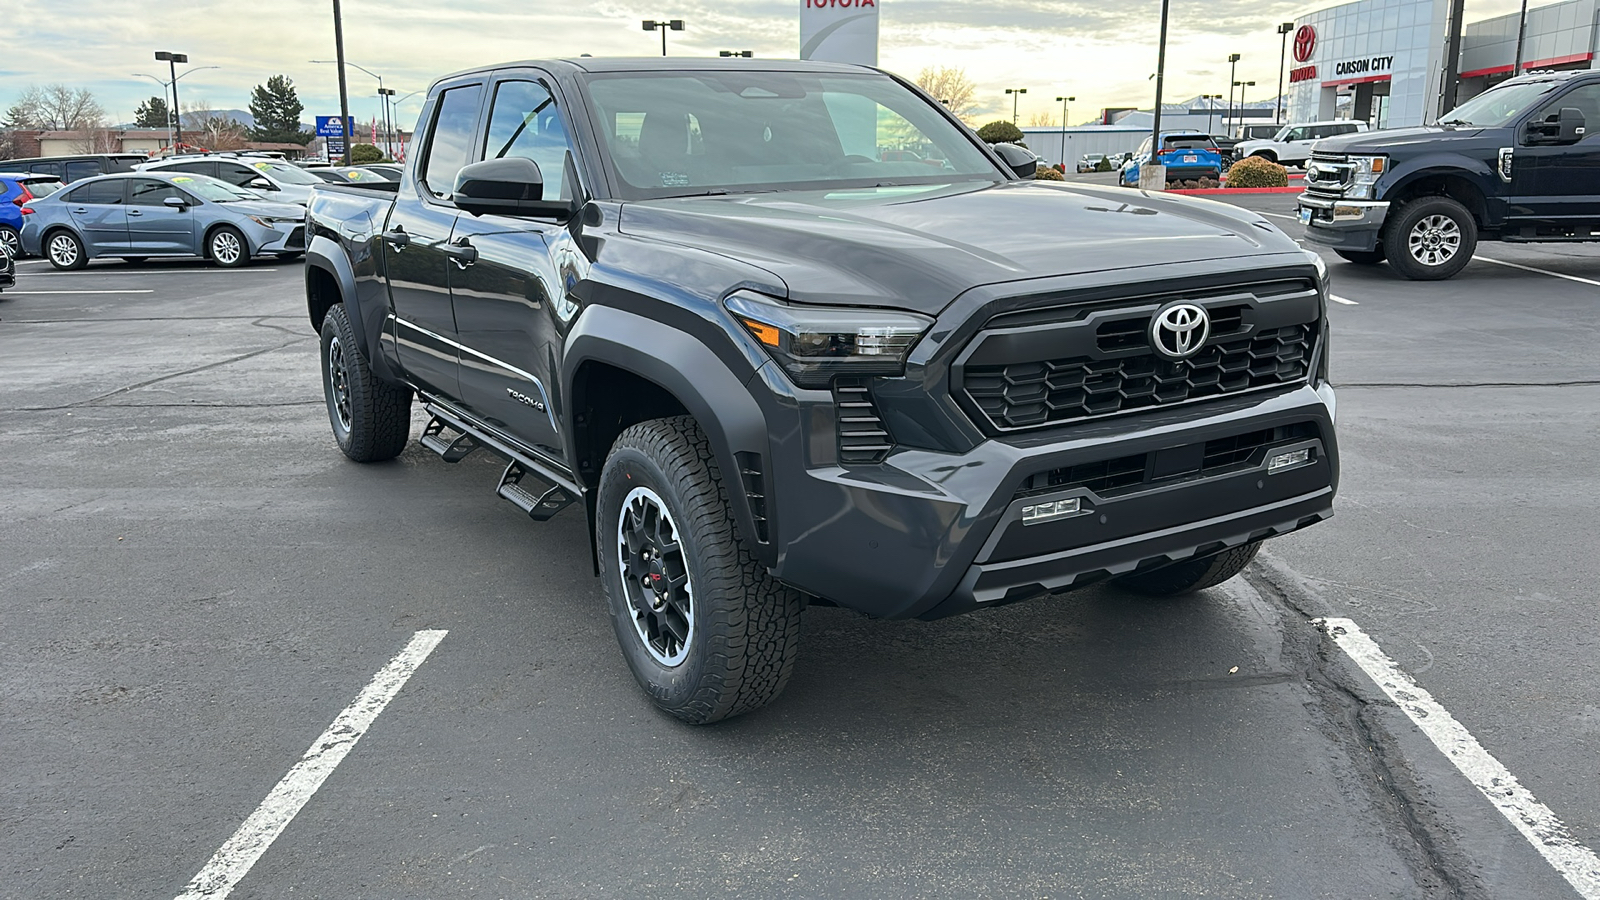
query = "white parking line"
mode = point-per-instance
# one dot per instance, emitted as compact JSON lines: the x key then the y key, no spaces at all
{"x":1338,"y":299}
{"x":130,"y":290}
{"x":1501,"y":262}
{"x":1576,"y":863}
{"x":234,"y":859}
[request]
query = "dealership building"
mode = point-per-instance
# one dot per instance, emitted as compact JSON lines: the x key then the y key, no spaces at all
{"x":1383,"y":61}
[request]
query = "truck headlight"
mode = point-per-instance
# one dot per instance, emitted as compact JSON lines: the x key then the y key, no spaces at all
{"x":1367,"y":170}
{"x":815,"y":343}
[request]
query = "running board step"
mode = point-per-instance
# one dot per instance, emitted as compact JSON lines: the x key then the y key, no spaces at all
{"x":451,"y":450}
{"x":540,"y":506}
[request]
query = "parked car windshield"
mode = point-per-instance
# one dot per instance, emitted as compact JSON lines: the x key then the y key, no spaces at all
{"x":285,"y":173}
{"x":690,"y":133}
{"x":1498,"y":106}
{"x":216,"y":190}
{"x":43,"y":188}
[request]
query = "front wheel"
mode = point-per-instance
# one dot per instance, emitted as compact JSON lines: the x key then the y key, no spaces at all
{"x":707,"y":632}
{"x":1362,"y":257}
{"x":227,"y":248}
{"x":371,"y":418}
{"x":1432,"y":238}
{"x":1191,"y":575}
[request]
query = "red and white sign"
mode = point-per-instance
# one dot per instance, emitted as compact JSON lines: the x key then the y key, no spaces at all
{"x":844,"y":31}
{"x":1303,"y":73}
{"x":1305,"y":43}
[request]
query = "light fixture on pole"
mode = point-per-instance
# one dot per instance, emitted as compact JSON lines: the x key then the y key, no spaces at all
{"x":1283,"y":45}
{"x":1241,"y":85}
{"x":172,"y":60}
{"x":1211,"y":107}
{"x":1152,"y":172}
{"x":744,"y":53}
{"x":1064,"y":101}
{"x":388,"y":122}
{"x":1015,"y":93}
{"x":166,"y":95}
{"x":382,"y":92}
{"x":1233,"y":67}
{"x":663,"y":26}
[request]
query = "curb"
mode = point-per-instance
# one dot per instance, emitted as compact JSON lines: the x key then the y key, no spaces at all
{"x":1237,"y":191}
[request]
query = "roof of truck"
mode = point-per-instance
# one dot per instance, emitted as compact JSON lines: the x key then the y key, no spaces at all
{"x":593,"y":64}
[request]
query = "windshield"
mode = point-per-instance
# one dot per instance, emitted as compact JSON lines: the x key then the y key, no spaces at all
{"x":1498,"y":106}
{"x":216,"y":190}
{"x":680,"y":134}
{"x":43,"y":188}
{"x":286,"y":173}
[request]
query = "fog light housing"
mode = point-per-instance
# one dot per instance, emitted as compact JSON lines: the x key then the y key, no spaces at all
{"x":1050,"y":510}
{"x":1291,"y":460}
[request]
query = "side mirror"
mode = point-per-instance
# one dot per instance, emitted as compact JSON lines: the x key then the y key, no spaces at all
{"x":511,"y":186}
{"x":1565,"y":127}
{"x":177,"y":203}
{"x":260,"y":184}
{"x":1021,"y":161}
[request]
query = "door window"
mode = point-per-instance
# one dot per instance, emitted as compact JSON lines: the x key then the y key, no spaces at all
{"x":198,"y":167}
{"x":236,"y":174}
{"x":451,"y":139}
{"x":1585,"y":99}
{"x":101,"y":192}
{"x":150,"y":192}
{"x":83,"y":169}
{"x":526,"y":123}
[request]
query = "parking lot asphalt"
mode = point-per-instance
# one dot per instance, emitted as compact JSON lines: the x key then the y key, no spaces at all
{"x":194,"y":583}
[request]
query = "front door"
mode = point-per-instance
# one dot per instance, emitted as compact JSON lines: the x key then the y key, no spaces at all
{"x":414,"y":245}
{"x":1564,"y":187}
{"x":98,"y":210}
{"x":155,"y":228}
{"x":511,"y":302}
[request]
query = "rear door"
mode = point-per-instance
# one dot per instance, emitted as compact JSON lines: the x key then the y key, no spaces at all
{"x":154,"y":227}
{"x":79,"y":169}
{"x":417,"y":236}
{"x":98,"y":209}
{"x":511,"y":302}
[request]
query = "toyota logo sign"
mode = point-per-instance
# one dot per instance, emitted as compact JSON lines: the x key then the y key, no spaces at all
{"x":1179,"y":330}
{"x":1305,"y":43}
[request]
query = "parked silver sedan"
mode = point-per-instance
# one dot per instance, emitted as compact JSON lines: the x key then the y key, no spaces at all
{"x":139,"y":215}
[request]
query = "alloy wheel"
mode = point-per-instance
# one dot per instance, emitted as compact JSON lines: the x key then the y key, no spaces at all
{"x":655,"y":576}
{"x":1434,"y":240}
{"x":339,"y":382}
{"x":63,"y":251}
{"x":225,"y":248}
{"x":13,"y":243}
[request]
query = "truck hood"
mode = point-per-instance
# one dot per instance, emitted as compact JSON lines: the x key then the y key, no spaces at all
{"x":1397,"y":139}
{"x":919,"y":247}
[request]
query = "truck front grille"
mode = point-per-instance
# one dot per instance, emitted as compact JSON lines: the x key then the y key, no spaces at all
{"x":1329,"y":174}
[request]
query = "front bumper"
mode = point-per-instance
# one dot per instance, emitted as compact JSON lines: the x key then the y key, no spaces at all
{"x":1342,"y":224}
{"x":930,"y":534}
{"x":283,"y":237}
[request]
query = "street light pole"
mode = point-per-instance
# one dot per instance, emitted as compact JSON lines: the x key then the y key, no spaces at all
{"x":344,"y":93}
{"x":1241,"y":85}
{"x":1522,"y":31}
{"x":388,"y":120}
{"x":1064,"y":102}
{"x":1283,"y":45}
{"x":1233,"y":68}
{"x":663,"y":26}
{"x":166,"y":88}
{"x":1152,"y":169}
{"x":1015,"y":93}
{"x":1211,"y":107}
{"x":172,"y":60}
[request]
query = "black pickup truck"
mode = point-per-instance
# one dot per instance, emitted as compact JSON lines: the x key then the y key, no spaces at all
{"x":776,"y":362}
{"x":1515,"y":163}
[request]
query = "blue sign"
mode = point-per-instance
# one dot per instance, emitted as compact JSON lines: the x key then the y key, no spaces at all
{"x":328,"y":126}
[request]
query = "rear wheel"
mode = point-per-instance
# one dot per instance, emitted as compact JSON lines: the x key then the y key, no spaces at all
{"x":12,"y":241}
{"x":1267,"y":155}
{"x":706,"y":631}
{"x":371,"y":418}
{"x":1362,"y":257}
{"x":1431,"y":238}
{"x":1191,"y":575}
{"x":65,"y":251}
{"x":227,"y":248}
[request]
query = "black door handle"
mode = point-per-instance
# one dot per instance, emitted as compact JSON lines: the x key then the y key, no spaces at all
{"x":397,"y":237}
{"x":462,"y":252}
{"x":135,"y":212}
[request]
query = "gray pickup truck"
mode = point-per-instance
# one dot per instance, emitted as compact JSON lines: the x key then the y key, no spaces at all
{"x":790,"y":333}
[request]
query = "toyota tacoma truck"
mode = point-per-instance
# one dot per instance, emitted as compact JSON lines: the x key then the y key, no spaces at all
{"x":774,"y":364}
{"x":1515,"y":163}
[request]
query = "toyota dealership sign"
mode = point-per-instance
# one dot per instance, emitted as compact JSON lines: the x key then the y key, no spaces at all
{"x":842,"y":31}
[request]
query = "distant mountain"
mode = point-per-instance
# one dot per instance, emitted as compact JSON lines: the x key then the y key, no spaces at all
{"x":242,"y":116}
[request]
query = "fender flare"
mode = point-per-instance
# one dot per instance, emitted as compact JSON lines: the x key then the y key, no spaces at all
{"x":1473,"y":171}
{"x":327,"y":256}
{"x":687,"y":369}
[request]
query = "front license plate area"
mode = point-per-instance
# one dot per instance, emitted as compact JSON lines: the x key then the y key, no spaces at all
{"x":1305,"y":216}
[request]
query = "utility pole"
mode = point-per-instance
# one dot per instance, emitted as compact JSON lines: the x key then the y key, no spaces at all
{"x":1233,"y":68}
{"x":1283,"y":46}
{"x":1064,"y":102}
{"x":172,"y":60}
{"x":1152,"y":173}
{"x":344,"y":95}
{"x":1522,"y":33}
{"x":1015,"y":93}
{"x":663,"y":26}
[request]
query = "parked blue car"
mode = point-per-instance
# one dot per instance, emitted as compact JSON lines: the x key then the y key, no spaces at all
{"x":1188,"y":155}
{"x":138,"y":215}
{"x":17,"y":189}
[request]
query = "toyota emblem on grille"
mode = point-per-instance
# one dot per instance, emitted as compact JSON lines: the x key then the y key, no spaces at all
{"x":1179,"y":331}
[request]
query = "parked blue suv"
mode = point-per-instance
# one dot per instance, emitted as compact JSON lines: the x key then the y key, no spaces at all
{"x":16,"y":189}
{"x":1188,"y":155}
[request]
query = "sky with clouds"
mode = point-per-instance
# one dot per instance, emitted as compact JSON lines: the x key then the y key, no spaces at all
{"x":1100,"y":51}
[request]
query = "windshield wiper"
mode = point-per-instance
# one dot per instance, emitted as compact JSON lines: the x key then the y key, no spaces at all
{"x":1453,"y":122}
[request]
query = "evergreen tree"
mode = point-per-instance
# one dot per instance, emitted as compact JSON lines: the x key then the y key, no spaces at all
{"x":152,"y":113}
{"x":277,"y":111}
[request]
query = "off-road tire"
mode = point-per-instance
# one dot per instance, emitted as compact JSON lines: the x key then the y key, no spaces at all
{"x":376,"y":421}
{"x":746,"y":626}
{"x":1362,"y":257}
{"x":1413,"y":217}
{"x":61,"y":256}
{"x":227,"y":247}
{"x":1191,"y":575}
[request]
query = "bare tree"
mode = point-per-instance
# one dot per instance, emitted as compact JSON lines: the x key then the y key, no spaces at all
{"x":950,"y":86}
{"x":1041,"y":120}
{"x":56,"y":107}
{"x":211,"y":129}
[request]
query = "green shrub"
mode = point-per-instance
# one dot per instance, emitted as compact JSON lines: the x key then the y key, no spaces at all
{"x":364,"y":153}
{"x":1000,"y":132}
{"x":1048,"y":173}
{"x":1256,"y":172}
{"x":1104,"y":165}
